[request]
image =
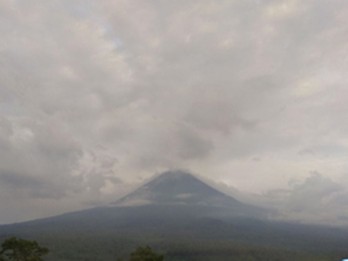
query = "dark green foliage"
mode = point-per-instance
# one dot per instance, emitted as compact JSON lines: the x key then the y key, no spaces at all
{"x":222,"y":250}
{"x":18,"y":249}
{"x":145,"y":254}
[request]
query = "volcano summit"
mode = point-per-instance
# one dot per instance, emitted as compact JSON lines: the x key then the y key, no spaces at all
{"x":173,"y":188}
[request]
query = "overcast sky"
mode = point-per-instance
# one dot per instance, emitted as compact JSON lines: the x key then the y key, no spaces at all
{"x":98,"y":95}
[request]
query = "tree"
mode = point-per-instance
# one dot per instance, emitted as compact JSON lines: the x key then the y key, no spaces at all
{"x":145,"y":254}
{"x":17,"y":249}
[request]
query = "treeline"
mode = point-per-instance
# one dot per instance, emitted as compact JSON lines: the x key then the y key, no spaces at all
{"x":17,"y":249}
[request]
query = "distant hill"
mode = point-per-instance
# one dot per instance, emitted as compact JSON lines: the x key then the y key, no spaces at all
{"x":184,"y":217}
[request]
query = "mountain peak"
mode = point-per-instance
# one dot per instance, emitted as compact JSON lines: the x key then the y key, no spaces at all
{"x":173,"y":178}
{"x":175,"y":174}
{"x":176,"y":187}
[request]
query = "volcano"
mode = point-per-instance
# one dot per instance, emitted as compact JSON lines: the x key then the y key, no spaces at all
{"x":175,"y":188}
{"x":166,"y":199}
{"x":178,"y":213}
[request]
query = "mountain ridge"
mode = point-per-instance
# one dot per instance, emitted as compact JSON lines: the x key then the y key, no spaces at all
{"x":178,"y":187}
{"x":205,"y":216}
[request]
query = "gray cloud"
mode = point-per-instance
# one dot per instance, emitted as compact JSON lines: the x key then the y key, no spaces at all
{"x":97,"y":95}
{"x":317,"y":199}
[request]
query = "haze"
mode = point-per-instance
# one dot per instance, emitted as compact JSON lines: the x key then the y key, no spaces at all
{"x":97,"y":96}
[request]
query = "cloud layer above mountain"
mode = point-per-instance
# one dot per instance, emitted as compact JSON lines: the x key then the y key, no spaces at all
{"x":98,"y":95}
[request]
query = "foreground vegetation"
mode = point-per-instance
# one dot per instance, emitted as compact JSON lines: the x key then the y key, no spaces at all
{"x":17,"y":249}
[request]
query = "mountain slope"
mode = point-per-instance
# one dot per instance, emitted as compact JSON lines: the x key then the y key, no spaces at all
{"x":175,"y":207}
{"x":169,"y":197}
{"x":182,"y":188}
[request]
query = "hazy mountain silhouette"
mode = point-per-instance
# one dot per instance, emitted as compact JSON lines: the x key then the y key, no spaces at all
{"x":178,"y":187}
{"x":172,"y":207}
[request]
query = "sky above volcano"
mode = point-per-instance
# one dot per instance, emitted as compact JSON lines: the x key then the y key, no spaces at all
{"x":96,"y":96}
